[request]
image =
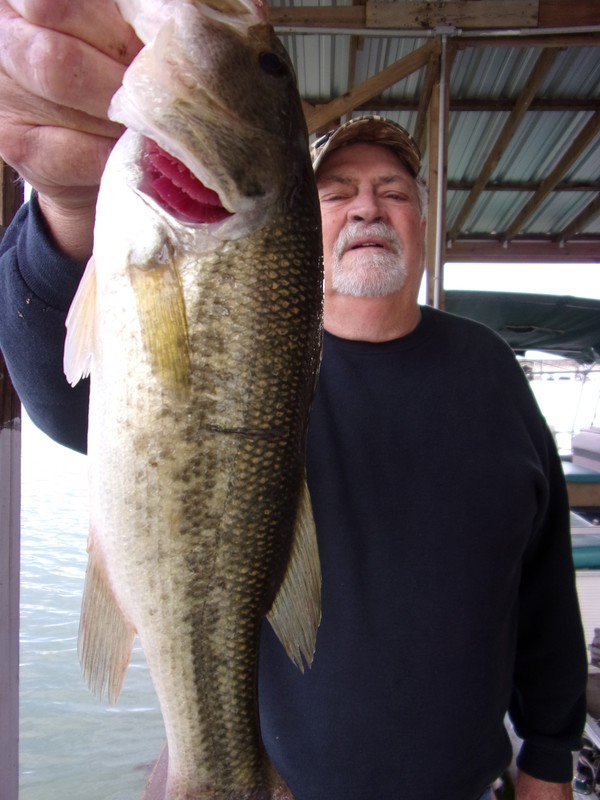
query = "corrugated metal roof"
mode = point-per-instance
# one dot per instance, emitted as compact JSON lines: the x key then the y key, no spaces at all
{"x":487,"y":76}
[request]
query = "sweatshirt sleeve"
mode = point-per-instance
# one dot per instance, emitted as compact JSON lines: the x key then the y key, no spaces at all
{"x":548,"y":705}
{"x":37,"y":285}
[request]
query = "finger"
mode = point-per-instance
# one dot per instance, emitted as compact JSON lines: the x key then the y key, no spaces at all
{"x":57,"y":67}
{"x":51,"y":146}
{"x":20,"y":107}
{"x":38,"y":154}
{"x":96,"y":22}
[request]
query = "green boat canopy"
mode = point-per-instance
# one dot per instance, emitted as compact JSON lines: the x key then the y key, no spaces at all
{"x":564,"y":326}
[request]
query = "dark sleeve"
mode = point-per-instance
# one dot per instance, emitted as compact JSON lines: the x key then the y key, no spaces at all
{"x":37,"y":285}
{"x":548,"y":706}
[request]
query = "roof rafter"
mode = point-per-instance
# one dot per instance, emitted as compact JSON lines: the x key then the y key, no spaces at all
{"x":319,"y":117}
{"x":589,"y":213}
{"x":432,"y":74}
{"x":521,"y":106}
{"x":582,"y":140}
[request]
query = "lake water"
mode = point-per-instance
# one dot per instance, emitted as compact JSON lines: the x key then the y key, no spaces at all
{"x":72,"y":747}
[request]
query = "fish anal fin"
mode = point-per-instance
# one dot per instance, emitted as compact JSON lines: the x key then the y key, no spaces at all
{"x":105,"y":636}
{"x":296,"y":611}
{"x":163,"y":321}
{"x":81,"y":323}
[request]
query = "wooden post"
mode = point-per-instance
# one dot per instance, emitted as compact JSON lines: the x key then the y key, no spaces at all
{"x":437,"y":149}
{"x":10,"y":527}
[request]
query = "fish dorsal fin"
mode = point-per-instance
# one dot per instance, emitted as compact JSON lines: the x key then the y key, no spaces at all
{"x":163,"y":321}
{"x":105,"y":636}
{"x":81,"y":324}
{"x":296,"y":611}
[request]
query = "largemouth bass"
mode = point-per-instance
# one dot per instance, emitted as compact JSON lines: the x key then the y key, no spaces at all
{"x":199,"y":321}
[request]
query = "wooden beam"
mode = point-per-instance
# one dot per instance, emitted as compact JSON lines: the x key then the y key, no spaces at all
{"x":565,"y":39}
{"x":475,"y":105}
{"x":432,"y":74}
{"x":589,"y":213}
{"x":499,"y":104}
{"x":11,"y":193}
{"x":527,"y":186}
{"x":426,"y":15}
{"x":521,"y":106}
{"x":318,"y":16}
{"x":356,"y":44}
{"x":430,"y":14}
{"x":325,"y":115}
{"x":582,"y":140}
{"x":530,"y":250}
{"x":560,"y":14}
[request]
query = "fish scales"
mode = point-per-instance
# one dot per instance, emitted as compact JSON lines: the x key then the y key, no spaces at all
{"x":203,"y":344}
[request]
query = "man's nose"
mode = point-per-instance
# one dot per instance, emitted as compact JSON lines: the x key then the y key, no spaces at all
{"x":365,"y":208}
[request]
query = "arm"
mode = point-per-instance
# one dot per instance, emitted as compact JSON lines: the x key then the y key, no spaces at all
{"x":37,"y":284}
{"x":548,"y":705}
{"x":59,"y":66}
{"x":529,"y":788}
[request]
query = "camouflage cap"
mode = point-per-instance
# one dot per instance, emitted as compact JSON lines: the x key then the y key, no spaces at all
{"x":370,"y":129}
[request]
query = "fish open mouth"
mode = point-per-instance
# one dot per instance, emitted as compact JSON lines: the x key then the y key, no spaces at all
{"x":171,"y":184}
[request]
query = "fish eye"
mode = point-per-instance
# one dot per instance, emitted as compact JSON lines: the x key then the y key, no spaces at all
{"x":272,"y":64}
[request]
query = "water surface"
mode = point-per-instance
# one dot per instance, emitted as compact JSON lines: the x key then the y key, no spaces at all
{"x":71,"y":746}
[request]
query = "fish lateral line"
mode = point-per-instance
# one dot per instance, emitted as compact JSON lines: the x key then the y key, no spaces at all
{"x":267,"y":434}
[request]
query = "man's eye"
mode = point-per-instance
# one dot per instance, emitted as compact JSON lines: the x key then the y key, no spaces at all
{"x":395,"y":196}
{"x":328,"y":198}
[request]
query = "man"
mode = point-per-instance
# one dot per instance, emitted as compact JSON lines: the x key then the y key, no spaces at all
{"x":442,"y":517}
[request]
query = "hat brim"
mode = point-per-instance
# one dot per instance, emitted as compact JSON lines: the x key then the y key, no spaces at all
{"x":370,"y":130}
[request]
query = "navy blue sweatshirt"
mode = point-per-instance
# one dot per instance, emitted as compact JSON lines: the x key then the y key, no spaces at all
{"x":442,"y":517}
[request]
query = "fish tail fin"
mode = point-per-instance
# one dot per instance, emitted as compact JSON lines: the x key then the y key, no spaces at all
{"x":105,"y":636}
{"x":80,"y":328}
{"x":296,"y":610}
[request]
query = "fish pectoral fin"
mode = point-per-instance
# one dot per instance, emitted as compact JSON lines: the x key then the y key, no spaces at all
{"x":296,"y":611}
{"x":81,"y":323}
{"x":163,"y":321}
{"x":105,"y":636}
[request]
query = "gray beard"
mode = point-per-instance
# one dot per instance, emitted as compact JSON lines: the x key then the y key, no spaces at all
{"x":372,"y":272}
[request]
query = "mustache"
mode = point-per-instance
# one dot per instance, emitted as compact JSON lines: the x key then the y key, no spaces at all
{"x":357,"y":231}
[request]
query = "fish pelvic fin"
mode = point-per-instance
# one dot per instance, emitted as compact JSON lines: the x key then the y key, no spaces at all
{"x":105,"y":636}
{"x":81,"y":324}
{"x":163,"y":321}
{"x":296,"y":611}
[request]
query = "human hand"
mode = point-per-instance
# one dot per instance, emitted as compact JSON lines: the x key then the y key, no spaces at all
{"x":60,"y":64}
{"x":529,"y":788}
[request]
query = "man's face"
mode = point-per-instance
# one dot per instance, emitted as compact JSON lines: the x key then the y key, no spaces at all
{"x":373,"y":234}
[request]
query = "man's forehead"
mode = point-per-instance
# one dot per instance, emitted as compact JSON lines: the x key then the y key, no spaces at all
{"x":350,"y":178}
{"x":359,"y":161}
